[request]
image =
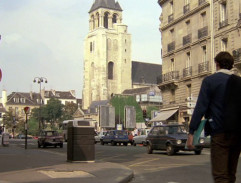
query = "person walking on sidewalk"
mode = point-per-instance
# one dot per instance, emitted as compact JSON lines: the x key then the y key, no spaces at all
{"x":219,"y":101}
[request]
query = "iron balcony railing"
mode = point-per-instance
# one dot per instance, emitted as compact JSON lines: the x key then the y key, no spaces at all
{"x":237,"y":55}
{"x":187,"y":39}
{"x":186,"y":8}
{"x":170,"y":18}
{"x":202,"y":32}
{"x":203,"y":67}
{"x":187,"y":71}
{"x":223,"y":23}
{"x":173,"y":75}
{"x":171,"y":46}
{"x":200,"y":2}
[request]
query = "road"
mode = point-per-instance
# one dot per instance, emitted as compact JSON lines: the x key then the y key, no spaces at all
{"x":184,"y":167}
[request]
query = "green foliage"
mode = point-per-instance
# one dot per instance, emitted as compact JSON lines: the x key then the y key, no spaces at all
{"x":13,"y":123}
{"x":149,"y":109}
{"x":68,"y":111}
{"x":33,"y":127}
{"x":119,"y":102}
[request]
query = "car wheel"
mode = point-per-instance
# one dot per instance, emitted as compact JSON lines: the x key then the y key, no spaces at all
{"x":125,"y":143}
{"x":113,"y":143}
{"x":101,"y":142}
{"x":39,"y":145}
{"x":170,"y":150}
{"x":134,"y":144}
{"x":61,"y":145}
{"x":44,"y":145}
{"x":198,"y":152}
{"x":149,"y":149}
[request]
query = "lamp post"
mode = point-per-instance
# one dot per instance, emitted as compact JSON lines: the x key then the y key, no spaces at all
{"x":40,"y":80}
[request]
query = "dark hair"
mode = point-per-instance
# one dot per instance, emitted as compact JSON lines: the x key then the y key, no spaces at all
{"x":225,"y":60}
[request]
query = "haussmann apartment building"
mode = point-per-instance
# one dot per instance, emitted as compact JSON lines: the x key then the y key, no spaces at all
{"x":193,"y":32}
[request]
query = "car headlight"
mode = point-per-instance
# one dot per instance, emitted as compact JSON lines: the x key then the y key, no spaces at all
{"x":179,"y":141}
{"x":201,"y":141}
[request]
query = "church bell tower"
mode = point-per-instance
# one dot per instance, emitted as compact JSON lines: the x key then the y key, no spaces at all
{"x":107,"y":53}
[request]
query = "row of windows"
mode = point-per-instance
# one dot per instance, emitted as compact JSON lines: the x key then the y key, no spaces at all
{"x":19,"y":100}
{"x":223,"y":14}
{"x":105,"y":20}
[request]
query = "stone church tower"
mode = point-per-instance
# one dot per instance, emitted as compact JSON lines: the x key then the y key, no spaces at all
{"x":107,"y":53}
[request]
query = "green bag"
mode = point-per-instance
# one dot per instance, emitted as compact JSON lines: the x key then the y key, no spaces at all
{"x":197,"y":133}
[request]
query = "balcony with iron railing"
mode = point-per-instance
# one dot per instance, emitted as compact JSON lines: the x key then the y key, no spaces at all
{"x":200,"y":2}
{"x":170,"y":76}
{"x":187,"y":39}
{"x":171,"y":46}
{"x":187,"y":72}
{"x":237,"y":55}
{"x":202,"y":32}
{"x":170,"y":18}
{"x":203,"y":67}
{"x":223,"y":23}
{"x":186,"y":8}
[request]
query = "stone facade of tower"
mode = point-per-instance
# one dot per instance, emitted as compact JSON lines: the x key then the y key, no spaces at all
{"x":107,"y":53}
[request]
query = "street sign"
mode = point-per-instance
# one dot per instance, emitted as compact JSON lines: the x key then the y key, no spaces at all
{"x":26,"y":110}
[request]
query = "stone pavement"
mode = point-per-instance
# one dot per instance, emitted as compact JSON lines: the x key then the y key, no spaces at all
{"x":18,"y":165}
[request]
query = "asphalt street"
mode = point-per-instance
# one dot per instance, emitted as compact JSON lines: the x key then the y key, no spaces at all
{"x":184,"y":167}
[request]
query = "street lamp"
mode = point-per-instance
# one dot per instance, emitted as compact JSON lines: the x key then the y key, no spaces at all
{"x":40,"y":80}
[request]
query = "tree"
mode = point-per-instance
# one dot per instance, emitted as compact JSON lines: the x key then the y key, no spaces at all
{"x":119,"y":102}
{"x":68,"y":111}
{"x":51,"y":112}
{"x":150,"y":109}
{"x":14,"y":124}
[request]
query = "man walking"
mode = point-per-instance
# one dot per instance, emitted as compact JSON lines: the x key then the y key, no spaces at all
{"x":219,"y":102}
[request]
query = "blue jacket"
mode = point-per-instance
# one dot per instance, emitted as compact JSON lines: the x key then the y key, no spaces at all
{"x":210,"y":103}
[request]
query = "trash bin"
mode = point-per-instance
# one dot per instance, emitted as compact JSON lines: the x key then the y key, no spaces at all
{"x":5,"y":139}
{"x":81,"y":143}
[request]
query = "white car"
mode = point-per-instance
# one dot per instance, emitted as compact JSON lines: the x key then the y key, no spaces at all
{"x":141,"y":139}
{"x":99,"y":135}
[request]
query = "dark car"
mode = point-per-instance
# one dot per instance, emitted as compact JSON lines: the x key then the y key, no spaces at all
{"x":171,"y":138}
{"x":115,"y":136}
{"x":50,"y":138}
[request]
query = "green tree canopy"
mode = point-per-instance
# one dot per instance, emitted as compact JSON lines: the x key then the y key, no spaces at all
{"x":119,"y":102}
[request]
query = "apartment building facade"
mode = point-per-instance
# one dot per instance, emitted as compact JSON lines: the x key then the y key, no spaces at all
{"x":191,"y":37}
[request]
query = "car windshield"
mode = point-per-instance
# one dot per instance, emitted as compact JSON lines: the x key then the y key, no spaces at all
{"x":175,"y":129}
{"x":121,"y":133}
{"x":52,"y":133}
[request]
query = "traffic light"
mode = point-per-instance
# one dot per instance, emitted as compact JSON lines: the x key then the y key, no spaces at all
{"x":144,"y":113}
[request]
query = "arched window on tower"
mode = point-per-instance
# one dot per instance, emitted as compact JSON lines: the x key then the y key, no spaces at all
{"x":114,"y":18}
{"x":110,"y":70}
{"x":106,"y":20}
{"x":98,"y":19}
{"x":93,"y":21}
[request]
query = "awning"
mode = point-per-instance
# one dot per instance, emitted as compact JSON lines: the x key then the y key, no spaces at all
{"x":163,"y":116}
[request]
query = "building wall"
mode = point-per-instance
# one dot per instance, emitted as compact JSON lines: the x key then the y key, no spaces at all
{"x":102,"y":46}
{"x":202,"y":22}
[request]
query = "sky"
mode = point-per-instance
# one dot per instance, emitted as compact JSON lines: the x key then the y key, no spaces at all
{"x":45,"y":38}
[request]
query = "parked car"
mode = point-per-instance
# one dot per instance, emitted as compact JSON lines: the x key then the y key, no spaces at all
{"x":115,"y":136}
{"x":171,"y":138}
{"x":141,"y":139}
{"x":50,"y":138}
{"x":22,"y":136}
{"x":99,"y":135}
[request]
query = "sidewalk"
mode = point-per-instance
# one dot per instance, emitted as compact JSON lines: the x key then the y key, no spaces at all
{"x":34,"y":165}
